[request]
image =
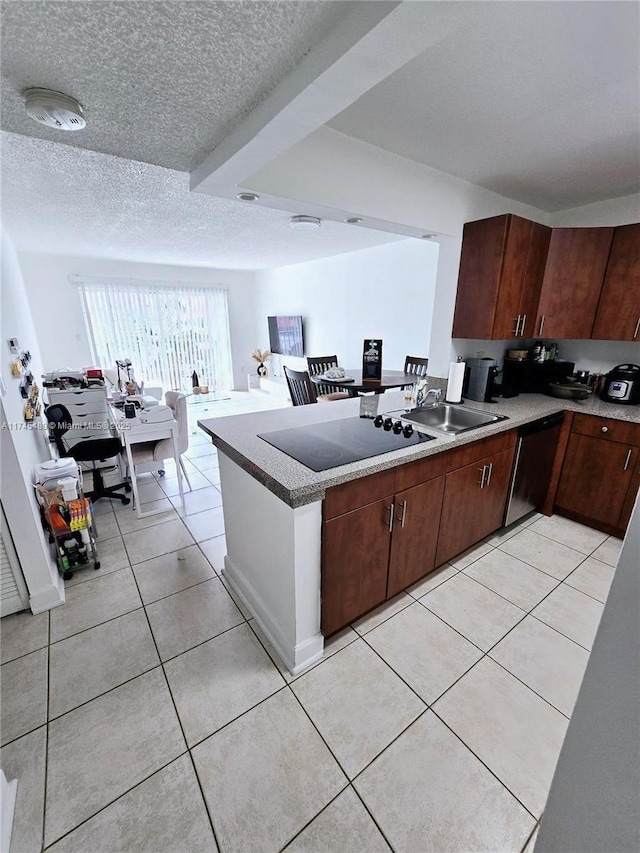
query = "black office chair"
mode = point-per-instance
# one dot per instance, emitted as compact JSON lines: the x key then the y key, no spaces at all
{"x":320,"y":364}
{"x":300,"y":387}
{"x":91,"y":450}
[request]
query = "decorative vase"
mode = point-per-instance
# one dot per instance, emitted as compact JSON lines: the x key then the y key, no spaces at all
{"x":262,"y":370}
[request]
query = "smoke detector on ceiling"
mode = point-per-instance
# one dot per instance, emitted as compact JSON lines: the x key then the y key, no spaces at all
{"x":306,"y":223}
{"x":53,"y":109}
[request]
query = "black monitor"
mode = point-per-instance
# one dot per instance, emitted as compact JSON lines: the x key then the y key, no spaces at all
{"x":285,"y":335}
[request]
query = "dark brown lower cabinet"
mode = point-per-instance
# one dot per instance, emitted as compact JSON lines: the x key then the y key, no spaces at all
{"x":473,"y":505}
{"x":415,"y":534}
{"x":378,"y":550}
{"x":355,"y":563}
{"x":380,"y":533}
{"x":597,"y":477}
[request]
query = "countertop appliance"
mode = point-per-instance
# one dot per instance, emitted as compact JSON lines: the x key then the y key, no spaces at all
{"x":333,"y":443}
{"x":535,"y":452}
{"x":622,"y":385}
{"x":480,"y":379}
{"x":532,"y":377}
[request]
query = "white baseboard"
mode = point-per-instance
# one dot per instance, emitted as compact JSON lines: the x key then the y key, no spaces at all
{"x":46,"y":598}
{"x":296,"y":658}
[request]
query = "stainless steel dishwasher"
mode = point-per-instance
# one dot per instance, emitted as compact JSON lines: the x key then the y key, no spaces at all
{"x":535,"y":452}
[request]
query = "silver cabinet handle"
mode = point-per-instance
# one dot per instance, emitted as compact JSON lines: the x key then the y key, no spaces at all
{"x":403,"y":518}
{"x":391,"y":513}
{"x":637,"y":329}
{"x":605,"y":429}
{"x":481,"y":480}
{"x":524,"y":321}
{"x":515,"y":332}
{"x":541,"y":325}
{"x":627,"y":460}
{"x":490,"y":469}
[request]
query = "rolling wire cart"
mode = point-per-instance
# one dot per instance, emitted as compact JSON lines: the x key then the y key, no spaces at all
{"x":68,"y":519}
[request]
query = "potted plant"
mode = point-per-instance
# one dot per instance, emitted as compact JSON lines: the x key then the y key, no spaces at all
{"x":261,"y":356}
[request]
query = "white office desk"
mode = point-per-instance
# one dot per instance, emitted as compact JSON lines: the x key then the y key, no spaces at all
{"x":138,"y":434}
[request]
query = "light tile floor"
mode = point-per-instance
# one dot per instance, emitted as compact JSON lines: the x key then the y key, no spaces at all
{"x":150,"y":714}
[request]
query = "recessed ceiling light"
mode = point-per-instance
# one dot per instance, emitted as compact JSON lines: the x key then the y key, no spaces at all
{"x":248,"y":196}
{"x":53,"y":109}
{"x":354,"y":220}
{"x":427,"y":236}
{"x":305,"y":223}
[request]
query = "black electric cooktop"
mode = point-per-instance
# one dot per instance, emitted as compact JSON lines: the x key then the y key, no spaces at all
{"x":334,"y":443}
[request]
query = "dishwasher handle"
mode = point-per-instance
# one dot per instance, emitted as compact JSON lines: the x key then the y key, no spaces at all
{"x":541,"y":424}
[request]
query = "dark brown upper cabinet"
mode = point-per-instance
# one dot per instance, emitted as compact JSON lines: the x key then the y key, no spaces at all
{"x":501,"y":269}
{"x":618,"y":314}
{"x":573,"y":276}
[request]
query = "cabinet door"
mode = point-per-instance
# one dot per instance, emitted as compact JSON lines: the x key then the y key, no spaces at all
{"x":514,"y":280}
{"x":483,"y":248}
{"x":473,"y":505}
{"x":596,"y":477}
{"x":355,"y":560}
{"x":572,"y":282}
{"x":618,"y":315}
{"x":532,"y":284}
{"x":415,"y":534}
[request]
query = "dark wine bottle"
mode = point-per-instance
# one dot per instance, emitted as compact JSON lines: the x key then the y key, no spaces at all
{"x":194,"y":380}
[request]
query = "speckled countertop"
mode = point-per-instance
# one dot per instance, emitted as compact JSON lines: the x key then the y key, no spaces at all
{"x":295,"y":484}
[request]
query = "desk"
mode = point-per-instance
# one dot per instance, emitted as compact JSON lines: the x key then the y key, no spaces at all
{"x":390,"y":379}
{"x":139,"y":434}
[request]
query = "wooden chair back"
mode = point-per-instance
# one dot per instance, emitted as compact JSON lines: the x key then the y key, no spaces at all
{"x":321,"y":364}
{"x":414,"y":364}
{"x":301,"y":388}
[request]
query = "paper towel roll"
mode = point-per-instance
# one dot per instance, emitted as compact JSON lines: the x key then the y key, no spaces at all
{"x":454,"y":382}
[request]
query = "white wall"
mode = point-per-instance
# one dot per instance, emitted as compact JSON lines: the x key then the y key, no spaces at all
{"x":385,"y":292}
{"x":22,"y":448}
{"x":57,"y":311}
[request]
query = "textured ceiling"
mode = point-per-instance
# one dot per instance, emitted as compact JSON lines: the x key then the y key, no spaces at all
{"x":60,"y":200}
{"x":537,"y":101}
{"x":160,"y":82}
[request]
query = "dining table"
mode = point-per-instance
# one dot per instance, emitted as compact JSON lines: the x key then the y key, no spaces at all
{"x":353,"y":381}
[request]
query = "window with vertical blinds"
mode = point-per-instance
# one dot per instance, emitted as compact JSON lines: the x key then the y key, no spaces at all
{"x":166,"y":330}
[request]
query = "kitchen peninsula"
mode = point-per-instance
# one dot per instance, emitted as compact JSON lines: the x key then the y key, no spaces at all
{"x":273,"y":505}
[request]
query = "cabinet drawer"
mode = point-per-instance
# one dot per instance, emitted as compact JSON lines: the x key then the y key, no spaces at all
{"x":96,"y":407}
{"x":357,"y":493}
{"x":608,"y":429}
{"x":469,"y":453}
{"x":421,"y":471}
{"x":87,"y":395}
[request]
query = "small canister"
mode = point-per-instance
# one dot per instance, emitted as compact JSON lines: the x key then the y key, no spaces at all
{"x":129,"y":410}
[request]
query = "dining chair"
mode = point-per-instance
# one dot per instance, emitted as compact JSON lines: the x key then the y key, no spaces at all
{"x":417,"y":365}
{"x":321,"y":364}
{"x":301,"y":388}
{"x":150,"y":455}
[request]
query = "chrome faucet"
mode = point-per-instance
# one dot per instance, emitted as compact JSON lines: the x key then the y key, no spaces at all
{"x":437,"y":394}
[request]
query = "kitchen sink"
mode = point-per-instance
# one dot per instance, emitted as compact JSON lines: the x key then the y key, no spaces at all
{"x":451,"y":419}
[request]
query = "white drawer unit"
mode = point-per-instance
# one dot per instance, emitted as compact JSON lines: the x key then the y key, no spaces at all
{"x":82,"y":396}
{"x":89,"y":410}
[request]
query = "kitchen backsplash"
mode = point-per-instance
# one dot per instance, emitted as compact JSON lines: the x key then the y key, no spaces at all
{"x":594,"y":356}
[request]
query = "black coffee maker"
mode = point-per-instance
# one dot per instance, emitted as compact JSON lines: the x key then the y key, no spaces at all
{"x":480,"y":379}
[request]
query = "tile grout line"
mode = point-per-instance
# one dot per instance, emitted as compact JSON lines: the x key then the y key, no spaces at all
{"x":46,"y":737}
{"x":115,"y":800}
{"x":176,"y":712}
